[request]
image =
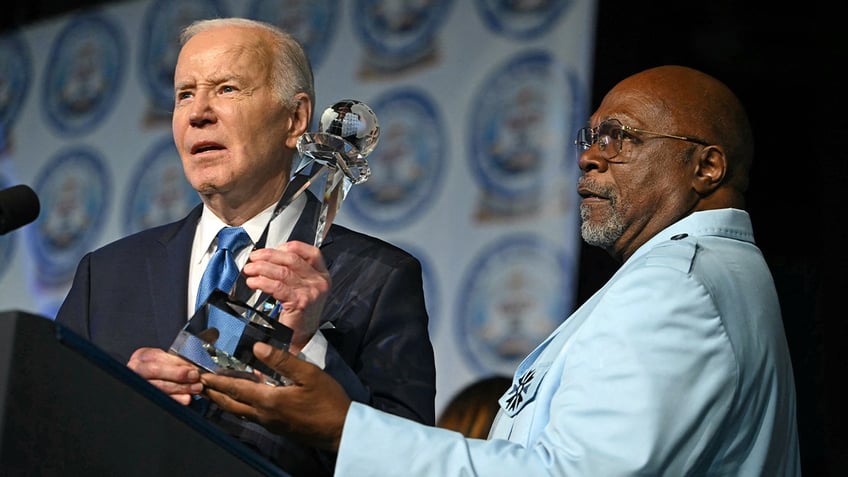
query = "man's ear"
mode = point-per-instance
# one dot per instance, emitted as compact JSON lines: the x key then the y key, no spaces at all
{"x":710,"y":169}
{"x":301,"y":116}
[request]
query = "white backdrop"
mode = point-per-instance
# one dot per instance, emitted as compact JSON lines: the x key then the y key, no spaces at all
{"x":475,"y":173}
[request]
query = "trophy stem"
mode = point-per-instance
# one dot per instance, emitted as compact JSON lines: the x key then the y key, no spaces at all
{"x":331,"y":198}
{"x":303,"y":179}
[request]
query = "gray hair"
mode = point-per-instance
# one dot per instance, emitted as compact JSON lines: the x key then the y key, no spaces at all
{"x":291,"y":72}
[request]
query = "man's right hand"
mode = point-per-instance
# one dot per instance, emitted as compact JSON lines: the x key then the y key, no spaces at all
{"x":170,"y":373}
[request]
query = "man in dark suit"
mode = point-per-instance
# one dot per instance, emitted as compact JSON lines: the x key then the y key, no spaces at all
{"x":243,"y":96}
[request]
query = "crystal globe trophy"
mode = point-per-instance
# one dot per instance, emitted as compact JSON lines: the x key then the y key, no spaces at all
{"x":331,"y":161}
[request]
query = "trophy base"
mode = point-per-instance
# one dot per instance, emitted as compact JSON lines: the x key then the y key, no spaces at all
{"x":219,"y":338}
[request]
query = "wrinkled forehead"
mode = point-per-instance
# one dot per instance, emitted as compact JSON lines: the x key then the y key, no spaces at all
{"x":230,"y":44}
{"x":212,"y":57}
{"x":634,"y":107}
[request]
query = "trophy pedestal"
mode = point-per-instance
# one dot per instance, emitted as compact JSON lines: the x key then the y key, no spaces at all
{"x":220,"y":336}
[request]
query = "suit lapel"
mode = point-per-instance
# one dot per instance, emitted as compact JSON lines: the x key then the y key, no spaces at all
{"x":167,"y":276}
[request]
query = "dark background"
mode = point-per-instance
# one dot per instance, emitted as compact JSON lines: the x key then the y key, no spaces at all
{"x":781,"y":60}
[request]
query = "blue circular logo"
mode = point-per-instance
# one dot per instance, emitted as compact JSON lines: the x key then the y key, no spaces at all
{"x":522,"y":19}
{"x":312,"y":22}
{"x":398,"y":35}
{"x":522,"y":122}
{"x":15,"y":76}
{"x":160,"y":193}
{"x":74,"y":192}
{"x":160,"y":47}
{"x":407,"y":165}
{"x":84,"y":73}
{"x":515,"y":293}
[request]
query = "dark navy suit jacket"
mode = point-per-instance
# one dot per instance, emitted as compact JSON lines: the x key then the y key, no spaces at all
{"x":132,"y":293}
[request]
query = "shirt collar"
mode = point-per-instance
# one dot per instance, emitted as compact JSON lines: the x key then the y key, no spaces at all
{"x":279,"y":230}
{"x":728,"y":222}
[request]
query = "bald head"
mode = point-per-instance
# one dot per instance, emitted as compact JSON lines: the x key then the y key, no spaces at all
{"x":684,"y":146}
{"x":692,"y":101}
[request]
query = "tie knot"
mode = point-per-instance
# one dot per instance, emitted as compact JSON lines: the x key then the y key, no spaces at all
{"x":232,"y":239}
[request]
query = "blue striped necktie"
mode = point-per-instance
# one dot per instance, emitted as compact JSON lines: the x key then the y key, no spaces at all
{"x":221,"y":273}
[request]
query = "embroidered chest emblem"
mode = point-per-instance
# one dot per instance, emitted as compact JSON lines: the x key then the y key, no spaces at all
{"x":519,"y":390}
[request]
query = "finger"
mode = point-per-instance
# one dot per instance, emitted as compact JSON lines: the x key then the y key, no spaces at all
{"x":296,"y":255}
{"x":156,"y":364}
{"x":282,"y":361}
{"x":224,"y":392}
{"x":168,"y":373}
{"x":176,"y":389}
{"x":313,"y":407}
{"x":274,"y":281}
{"x":275,"y":256}
{"x":184,"y":399}
{"x":308,"y":253}
{"x":298,"y":288}
{"x":277,"y":271}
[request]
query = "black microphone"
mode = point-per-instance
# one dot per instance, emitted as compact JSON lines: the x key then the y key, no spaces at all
{"x":18,"y":206}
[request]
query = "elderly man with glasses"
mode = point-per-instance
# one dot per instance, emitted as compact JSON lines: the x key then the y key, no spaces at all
{"x":677,"y":366}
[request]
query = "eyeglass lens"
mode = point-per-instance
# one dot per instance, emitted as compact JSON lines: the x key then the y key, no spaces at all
{"x":608,"y":135}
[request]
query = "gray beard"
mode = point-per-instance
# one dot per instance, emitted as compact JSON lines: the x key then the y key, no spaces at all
{"x":601,"y":234}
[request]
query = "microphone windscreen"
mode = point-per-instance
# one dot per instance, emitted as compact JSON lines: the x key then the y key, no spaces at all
{"x":19,"y":206}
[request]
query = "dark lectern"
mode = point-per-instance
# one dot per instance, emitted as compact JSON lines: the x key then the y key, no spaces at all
{"x":68,"y":408}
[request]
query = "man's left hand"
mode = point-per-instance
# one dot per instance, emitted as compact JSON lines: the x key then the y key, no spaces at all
{"x":312,"y":409}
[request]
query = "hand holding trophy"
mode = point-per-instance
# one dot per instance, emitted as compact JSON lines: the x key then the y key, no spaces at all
{"x":332,"y":160}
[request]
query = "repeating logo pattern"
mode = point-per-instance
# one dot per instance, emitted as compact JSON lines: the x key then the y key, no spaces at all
{"x":160,"y":193}
{"x":419,"y":45}
{"x":398,"y":35}
{"x":84,"y":73}
{"x":515,"y":293}
{"x":312,"y":22}
{"x":15,"y":77}
{"x":407,"y":166}
{"x":163,"y":22}
{"x":520,"y":135}
{"x":522,"y":19}
{"x":74,"y":191}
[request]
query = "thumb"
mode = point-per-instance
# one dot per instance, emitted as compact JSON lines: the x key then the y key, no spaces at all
{"x":280,"y":360}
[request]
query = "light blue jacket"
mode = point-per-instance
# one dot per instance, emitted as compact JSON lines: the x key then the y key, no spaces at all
{"x":678,"y":366}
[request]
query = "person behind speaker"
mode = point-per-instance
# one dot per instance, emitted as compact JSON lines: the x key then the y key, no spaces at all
{"x":473,"y":408}
{"x":677,"y":366}
{"x":244,"y":94}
